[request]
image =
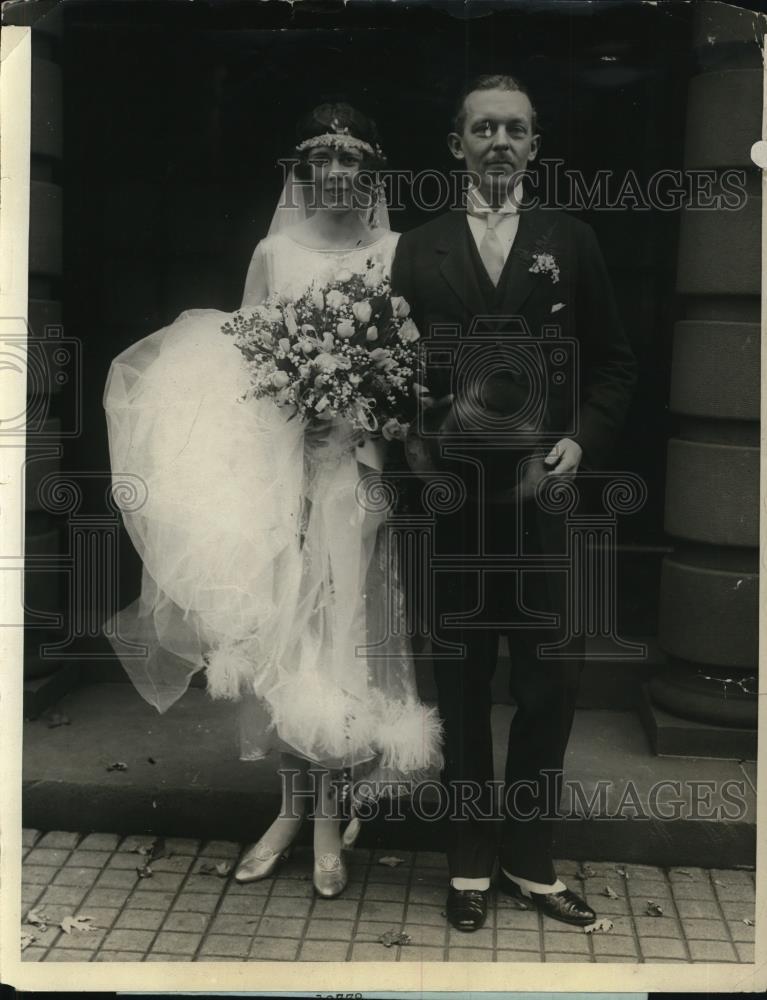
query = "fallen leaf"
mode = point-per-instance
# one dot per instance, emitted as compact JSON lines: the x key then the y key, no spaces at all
{"x":520,"y":904}
{"x":653,"y":909}
{"x":391,"y":861}
{"x":144,"y":871}
{"x":154,"y":850}
{"x":598,"y":926}
{"x":37,"y":919}
{"x":27,"y":940}
{"x":610,"y":893}
{"x":586,"y":871}
{"x":69,"y":924}
{"x":55,"y":719}
{"x":117,"y":766}
{"x":748,"y":921}
{"x":390,"y":938}
{"x":622,"y":872}
{"x":222,"y":869}
{"x":682,"y":871}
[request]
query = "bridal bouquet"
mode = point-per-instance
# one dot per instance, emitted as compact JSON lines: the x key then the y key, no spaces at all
{"x":346,"y":348}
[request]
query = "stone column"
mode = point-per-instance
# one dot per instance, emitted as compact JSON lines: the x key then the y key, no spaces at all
{"x":709,"y":586}
{"x":51,"y":359}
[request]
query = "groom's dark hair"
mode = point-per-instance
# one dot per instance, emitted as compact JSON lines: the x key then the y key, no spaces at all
{"x":489,"y":81}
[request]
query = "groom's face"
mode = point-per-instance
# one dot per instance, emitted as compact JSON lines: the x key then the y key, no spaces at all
{"x":497,"y":140}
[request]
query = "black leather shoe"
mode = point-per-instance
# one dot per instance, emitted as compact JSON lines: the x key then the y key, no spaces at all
{"x":467,"y":908}
{"x":566,"y":905}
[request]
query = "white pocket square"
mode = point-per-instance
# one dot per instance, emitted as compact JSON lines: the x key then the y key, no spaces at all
{"x":557,"y":306}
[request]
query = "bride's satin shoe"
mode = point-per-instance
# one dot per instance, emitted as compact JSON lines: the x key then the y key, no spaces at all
{"x":261,"y":862}
{"x":330,"y":876}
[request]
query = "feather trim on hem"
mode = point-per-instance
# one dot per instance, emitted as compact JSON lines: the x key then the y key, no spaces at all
{"x":323,"y":721}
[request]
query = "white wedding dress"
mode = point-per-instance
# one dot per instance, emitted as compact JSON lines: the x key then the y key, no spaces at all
{"x":266,"y":561}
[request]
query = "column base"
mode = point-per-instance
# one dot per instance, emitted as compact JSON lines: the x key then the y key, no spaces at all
{"x":674,"y":736}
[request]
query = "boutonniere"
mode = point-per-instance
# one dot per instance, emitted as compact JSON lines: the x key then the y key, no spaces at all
{"x":541,"y":258}
{"x":545,"y":263}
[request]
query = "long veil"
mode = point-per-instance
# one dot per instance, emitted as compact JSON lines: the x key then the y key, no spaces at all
{"x":219,"y":501}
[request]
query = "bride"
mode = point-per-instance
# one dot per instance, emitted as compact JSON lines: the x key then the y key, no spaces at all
{"x":266,"y":560}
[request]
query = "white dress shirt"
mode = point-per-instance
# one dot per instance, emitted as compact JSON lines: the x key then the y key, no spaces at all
{"x":506,"y":228}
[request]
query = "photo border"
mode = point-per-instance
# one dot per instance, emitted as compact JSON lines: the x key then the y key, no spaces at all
{"x":313,"y":978}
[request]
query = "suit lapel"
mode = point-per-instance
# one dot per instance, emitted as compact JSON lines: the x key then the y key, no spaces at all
{"x":457,"y":266}
{"x":516,"y":281}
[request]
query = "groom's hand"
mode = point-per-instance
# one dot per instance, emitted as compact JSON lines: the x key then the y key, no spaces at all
{"x":425,"y":399}
{"x":564,"y":458}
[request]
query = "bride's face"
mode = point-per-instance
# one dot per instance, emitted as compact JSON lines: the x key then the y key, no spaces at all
{"x":336,"y":175}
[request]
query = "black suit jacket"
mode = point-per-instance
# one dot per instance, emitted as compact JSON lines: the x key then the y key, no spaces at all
{"x":436,"y":269}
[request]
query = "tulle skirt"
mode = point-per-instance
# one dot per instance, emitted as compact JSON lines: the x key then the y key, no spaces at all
{"x":268,"y":564}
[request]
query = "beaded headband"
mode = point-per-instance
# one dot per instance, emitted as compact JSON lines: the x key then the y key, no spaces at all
{"x":340,"y":138}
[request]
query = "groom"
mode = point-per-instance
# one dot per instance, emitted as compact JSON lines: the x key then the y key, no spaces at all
{"x":496,"y":259}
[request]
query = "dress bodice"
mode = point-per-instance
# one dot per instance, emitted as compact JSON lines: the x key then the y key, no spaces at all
{"x":283,"y":266}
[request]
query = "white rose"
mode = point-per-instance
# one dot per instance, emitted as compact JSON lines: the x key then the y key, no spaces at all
{"x":318,"y":299}
{"x":284,"y":344}
{"x":362,"y":311}
{"x":290,"y":320}
{"x":393,"y":430}
{"x":409,"y":332}
{"x":400,"y":307}
{"x":345,"y":329}
{"x":325,"y":362}
{"x":344,"y":274}
{"x":372,"y":333}
{"x":280,"y":380}
{"x":335,"y":299}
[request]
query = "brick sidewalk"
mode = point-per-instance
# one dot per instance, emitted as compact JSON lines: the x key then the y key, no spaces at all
{"x":181,"y":913}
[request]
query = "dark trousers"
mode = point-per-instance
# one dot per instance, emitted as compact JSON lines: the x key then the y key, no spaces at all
{"x":544,"y":690}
